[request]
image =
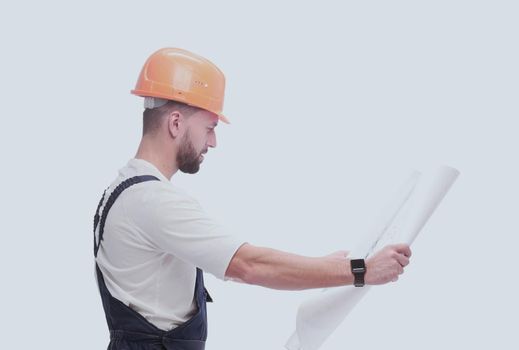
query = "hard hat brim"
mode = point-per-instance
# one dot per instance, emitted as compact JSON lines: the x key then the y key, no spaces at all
{"x":168,"y":97}
{"x":223,"y":118}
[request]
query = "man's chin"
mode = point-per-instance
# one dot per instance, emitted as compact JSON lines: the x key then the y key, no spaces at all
{"x":190,"y":169}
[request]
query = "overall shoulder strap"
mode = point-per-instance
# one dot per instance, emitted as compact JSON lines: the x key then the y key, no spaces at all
{"x":101,"y":219}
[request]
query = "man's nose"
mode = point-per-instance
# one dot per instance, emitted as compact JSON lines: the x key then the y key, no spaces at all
{"x":211,"y":142}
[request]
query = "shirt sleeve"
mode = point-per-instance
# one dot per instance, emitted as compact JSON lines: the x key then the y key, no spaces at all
{"x":175,"y":223}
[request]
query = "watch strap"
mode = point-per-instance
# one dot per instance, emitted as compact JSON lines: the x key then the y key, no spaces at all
{"x":358,"y":268}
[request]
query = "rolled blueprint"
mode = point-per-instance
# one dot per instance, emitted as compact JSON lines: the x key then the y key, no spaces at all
{"x":400,"y":222}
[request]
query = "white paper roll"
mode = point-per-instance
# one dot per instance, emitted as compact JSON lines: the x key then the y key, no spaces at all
{"x":400,"y":222}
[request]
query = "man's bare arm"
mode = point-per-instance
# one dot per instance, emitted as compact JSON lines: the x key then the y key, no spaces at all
{"x":281,"y":270}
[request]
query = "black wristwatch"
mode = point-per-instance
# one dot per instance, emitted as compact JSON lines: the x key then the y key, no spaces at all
{"x":358,"y":268}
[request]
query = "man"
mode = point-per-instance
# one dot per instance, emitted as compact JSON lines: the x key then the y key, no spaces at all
{"x":153,"y":246}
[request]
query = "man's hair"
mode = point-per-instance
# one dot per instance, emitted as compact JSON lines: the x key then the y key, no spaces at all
{"x":152,"y":118}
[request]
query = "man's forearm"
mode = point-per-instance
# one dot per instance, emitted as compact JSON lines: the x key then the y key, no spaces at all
{"x":280,"y":270}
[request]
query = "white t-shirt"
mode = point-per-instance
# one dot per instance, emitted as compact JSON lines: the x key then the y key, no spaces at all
{"x":154,"y":238}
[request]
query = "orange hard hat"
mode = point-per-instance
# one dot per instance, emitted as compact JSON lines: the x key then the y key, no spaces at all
{"x":180,"y":75}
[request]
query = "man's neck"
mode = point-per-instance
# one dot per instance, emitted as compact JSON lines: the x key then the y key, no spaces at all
{"x":147,"y":151}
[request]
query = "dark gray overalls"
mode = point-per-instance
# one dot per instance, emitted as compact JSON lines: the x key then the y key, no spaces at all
{"x":128,"y":329}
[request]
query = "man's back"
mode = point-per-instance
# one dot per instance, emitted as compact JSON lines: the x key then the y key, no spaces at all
{"x":154,"y":238}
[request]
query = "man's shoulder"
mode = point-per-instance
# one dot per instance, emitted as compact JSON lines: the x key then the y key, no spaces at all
{"x":159,"y":193}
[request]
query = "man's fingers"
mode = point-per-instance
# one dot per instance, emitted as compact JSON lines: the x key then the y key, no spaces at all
{"x":403,"y":249}
{"x":402,"y":260}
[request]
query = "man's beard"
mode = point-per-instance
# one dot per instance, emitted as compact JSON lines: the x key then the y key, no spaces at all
{"x":188,"y":159}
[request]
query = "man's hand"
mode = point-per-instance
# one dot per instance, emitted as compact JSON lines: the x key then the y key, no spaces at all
{"x":387,"y":264}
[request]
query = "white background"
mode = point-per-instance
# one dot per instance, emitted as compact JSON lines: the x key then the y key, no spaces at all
{"x":331,"y":103}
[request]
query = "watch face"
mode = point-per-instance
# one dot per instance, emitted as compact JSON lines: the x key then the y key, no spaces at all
{"x":358,"y":265}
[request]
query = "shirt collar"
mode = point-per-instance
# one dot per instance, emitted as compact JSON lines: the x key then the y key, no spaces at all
{"x":146,"y":168}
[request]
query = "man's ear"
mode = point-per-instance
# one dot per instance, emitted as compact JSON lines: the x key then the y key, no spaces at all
{"x":175,"y":122}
